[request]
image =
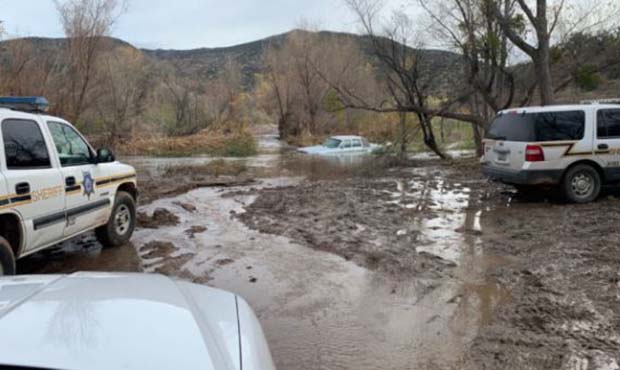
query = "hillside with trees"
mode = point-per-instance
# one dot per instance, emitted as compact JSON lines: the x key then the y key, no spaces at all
{"x":384,"y":83}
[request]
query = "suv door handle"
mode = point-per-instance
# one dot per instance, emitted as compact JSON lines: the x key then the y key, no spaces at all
{"x":603,"y":146}
{"x":22,"y":188}
{"x":70,"y":181}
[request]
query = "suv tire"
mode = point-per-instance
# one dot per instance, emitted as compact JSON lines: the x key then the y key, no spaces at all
{"x":582,"y":184}
{"x":121,"y":224}
{"x":7,"y":258}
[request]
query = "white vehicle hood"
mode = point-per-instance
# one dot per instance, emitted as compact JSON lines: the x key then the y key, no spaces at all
{"x":116,"y":321}
{"x":317,"y":149}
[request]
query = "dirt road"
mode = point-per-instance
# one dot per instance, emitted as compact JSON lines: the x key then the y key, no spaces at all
{"x":424,"y":267}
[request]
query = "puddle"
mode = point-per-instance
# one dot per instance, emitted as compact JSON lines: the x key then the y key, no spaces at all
{"x":83,"y":253}
{"x":452,"y":215}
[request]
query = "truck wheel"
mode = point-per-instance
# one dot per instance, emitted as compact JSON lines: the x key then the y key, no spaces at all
{"x":582,"y":184}
{"x":121,"y":224}
{"x":7,"y":258}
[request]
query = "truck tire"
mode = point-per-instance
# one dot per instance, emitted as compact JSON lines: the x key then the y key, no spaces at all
{"x":121,"y":224}
{"x":582,"y":184}
{"x":7,"y":258}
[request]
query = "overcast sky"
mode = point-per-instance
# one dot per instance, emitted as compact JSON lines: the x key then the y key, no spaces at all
{"x":185,"y":24}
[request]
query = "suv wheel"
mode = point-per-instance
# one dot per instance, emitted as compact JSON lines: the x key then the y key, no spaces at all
{"x":582,"y":184}
{"x":7,"y":258}
{"x":121,"y":224}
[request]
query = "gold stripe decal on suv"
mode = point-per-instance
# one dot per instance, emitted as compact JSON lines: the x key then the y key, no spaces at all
{"x":569,"y":147}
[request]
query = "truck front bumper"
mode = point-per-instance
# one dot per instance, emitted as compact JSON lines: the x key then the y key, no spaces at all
{"x":522,"y":177}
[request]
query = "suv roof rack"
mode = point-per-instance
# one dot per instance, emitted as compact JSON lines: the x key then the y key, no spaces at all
{"x":31,"y":104}
{"x":601,"y":101}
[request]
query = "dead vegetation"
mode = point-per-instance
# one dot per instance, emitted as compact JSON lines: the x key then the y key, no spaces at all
{"x":206,"y":143}
{"x":217,"y":168}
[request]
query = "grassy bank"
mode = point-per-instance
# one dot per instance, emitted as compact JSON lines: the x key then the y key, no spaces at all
{"x":204,"y":143}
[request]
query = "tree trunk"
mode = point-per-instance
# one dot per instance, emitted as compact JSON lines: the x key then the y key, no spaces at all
{"x":478,"y":140}
{"x":402,"y":136}
{"x":543,"y":73}
{"x":429,"y":136}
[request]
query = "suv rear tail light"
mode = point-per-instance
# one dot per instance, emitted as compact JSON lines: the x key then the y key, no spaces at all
{"x":534,"y":153}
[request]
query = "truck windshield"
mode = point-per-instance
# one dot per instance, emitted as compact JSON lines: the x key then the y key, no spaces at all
{"x":332,"y":143}
{"x":531,"y":127}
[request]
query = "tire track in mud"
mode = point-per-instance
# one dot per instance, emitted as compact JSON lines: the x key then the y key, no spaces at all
{"x":563,"y":313}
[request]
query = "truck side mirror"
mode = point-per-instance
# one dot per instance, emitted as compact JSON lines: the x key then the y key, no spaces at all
{"x":104,"y":155}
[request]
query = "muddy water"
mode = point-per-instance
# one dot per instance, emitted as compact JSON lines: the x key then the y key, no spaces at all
{"x":318,"y":310}
{"x":321,"y":311}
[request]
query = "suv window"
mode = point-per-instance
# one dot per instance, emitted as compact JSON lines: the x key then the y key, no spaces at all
{"x":357,"y":143}
{"x":24,"y":145}
{"x":72,"y":149}
{"x":608,"y":123}
{"x":346,"y":144}
{"x":546,"y":126}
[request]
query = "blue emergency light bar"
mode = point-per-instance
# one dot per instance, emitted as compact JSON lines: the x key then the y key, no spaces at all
{"x":25,"y":103}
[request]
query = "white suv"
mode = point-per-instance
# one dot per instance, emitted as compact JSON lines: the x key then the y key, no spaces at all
{"x":574,"y":146}
{"x":54,"y":186}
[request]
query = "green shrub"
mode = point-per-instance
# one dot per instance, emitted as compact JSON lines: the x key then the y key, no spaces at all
{"x":243,"y":145}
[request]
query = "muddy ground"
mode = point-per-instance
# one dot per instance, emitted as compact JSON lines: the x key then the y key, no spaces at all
{"x":423,"y":267}
{"x":559,"y":263}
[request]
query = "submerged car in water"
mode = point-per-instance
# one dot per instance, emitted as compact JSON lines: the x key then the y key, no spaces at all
{"x":341,"y":145}
{"x":125,"y":321}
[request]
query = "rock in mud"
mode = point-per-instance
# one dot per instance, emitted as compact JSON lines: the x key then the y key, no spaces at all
{"x":224,"y":261}
{"x":157,"y":249}
{"x":186,"y":206}
{"x":163,"y":252}
{"x":196,"y":229}
{"x":160,"y":217}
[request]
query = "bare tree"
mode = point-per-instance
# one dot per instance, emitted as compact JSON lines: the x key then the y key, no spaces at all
{"x":187,"y":103}
{"x":86,"y":24}
{"x":470,"y":27}
{"x":222,"y":94}
{"x":543,"y":26}
{"x":410,"y":89}
{"x":542,"y":18}
{"x":123,"y":93}
{"x":298,"y":88}
{"x":278,"y":77}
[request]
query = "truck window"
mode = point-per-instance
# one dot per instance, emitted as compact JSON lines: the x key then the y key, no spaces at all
{"x":532,"y":127}
{"x":72,"y":149}
{"x":24,"y":145}
{"x":608,"y":123}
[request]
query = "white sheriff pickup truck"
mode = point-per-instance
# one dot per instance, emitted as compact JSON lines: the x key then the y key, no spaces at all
{"x":54,"y":186}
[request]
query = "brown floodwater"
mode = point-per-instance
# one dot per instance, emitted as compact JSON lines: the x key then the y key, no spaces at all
{"x":318,"y":310}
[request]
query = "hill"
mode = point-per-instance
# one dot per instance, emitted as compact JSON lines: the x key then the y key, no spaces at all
{"x":204,"y":63}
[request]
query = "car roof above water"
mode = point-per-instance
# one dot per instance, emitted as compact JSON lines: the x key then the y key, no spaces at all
{"x":346,"y":137}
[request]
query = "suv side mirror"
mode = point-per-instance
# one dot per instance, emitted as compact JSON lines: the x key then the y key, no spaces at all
{"x":105,"y":155}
